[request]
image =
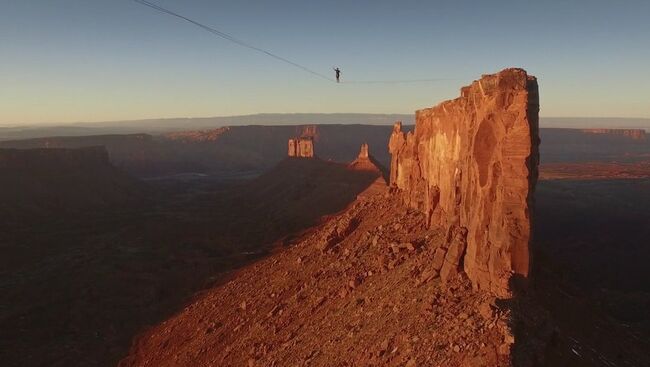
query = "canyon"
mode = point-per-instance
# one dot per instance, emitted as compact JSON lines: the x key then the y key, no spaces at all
{"x":441,"y":243}
{"x":389,"y":281}
{"x":248,"y":151}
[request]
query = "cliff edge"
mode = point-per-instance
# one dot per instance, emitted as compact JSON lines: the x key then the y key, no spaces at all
{"x":471,"y":167}
{"x":362,"y":287}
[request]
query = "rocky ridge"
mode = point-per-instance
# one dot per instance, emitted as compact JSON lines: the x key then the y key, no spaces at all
{"x":358,"y":290}
{"x":365,"y":287}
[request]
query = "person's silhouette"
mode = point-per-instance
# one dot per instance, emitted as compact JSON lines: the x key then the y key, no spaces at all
{"x":338,"y":74}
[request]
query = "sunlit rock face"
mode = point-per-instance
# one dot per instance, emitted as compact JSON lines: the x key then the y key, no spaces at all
{"x":471,"y":166}
{"x":302,"y":147}
{"x":363,"y":152}
{"x":366,"y":162}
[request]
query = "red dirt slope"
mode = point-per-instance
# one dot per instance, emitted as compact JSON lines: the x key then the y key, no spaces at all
{"x":361,"y":289}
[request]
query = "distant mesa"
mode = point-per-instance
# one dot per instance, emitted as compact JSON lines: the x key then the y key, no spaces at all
{"x":634,"y":134}
{"x":310,"y":131}
{"x":471,"y":167}
{"x":52,"y":160}
{"x":303,"y":146}
{"x":210,"y":135}
{"x":55,"y":180}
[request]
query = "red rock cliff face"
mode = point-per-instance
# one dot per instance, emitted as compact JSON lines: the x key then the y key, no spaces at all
{"x":471,"y":166}
{"x":301,"y":147}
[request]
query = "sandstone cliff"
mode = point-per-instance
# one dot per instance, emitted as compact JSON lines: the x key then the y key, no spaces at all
{"x":302,"y":147}
{"x":365,"y":161}
{"x":471,"y":167}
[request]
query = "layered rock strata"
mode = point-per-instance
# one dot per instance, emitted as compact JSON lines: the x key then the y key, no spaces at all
{"x":471,"y":167}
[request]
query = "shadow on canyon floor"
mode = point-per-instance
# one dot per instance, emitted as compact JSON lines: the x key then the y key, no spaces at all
{"x":79,"y":286}
{"x":587,"y":304}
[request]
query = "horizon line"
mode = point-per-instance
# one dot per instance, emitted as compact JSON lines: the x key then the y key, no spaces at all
{"x":70,"y":123}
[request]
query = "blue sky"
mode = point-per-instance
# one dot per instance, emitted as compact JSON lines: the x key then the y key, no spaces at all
{"x":94,"y":60}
